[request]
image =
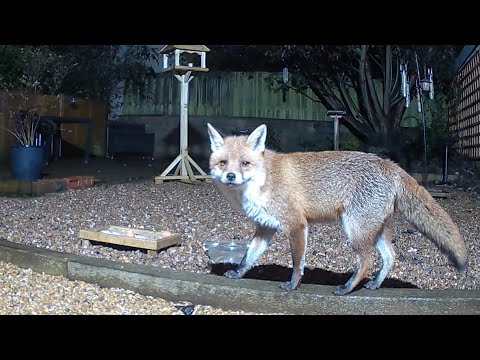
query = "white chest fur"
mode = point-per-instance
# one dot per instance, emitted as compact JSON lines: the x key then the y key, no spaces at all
{"x":254,"y":204}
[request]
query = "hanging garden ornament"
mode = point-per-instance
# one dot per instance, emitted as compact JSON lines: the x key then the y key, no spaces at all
{"x":403,"y":72}
{"x":285,"y":75}
{"x":407,"y":96}
{"x":431,"y":93}
{"x":405,"y":87}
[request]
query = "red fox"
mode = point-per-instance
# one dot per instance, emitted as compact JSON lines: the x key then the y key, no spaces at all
{"x":289,"y":191}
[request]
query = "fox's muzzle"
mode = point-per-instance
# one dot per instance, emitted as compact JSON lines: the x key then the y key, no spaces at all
{"x":232,"y":178}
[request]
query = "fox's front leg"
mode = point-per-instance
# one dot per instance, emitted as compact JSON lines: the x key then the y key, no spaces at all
{"x":259,"y":244}
{"x":298,"y":247}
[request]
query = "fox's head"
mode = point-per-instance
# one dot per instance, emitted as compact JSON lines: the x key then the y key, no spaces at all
{"x":236,"y":160}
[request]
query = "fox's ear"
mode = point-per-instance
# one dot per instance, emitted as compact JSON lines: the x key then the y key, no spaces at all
{"x":216,"y":139}
{"x":257,"y":138}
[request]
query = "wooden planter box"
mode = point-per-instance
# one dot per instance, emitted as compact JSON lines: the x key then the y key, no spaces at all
{"x":152,"y":241}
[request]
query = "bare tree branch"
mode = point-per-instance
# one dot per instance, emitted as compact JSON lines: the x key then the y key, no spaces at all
{"x":297,"y":90}
{"x":363,"y":85}
{"x":373,"y":92}
{"x":388,"y":80}
{"x":347,"y":98}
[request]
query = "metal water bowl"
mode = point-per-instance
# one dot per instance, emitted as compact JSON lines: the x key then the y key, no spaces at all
{"x":226,"y":252}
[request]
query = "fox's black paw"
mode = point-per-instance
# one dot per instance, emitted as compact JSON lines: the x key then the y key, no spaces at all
{"x":232,"y":274}
{"x":341,"y":290}
{"x":288,"y":286}
{"x":372,"y":285}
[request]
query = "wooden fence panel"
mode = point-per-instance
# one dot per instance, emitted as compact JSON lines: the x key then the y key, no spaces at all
{"x":225,"y":94}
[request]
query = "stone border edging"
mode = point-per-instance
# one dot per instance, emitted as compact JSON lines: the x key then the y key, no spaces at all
{"x":259,"y":296}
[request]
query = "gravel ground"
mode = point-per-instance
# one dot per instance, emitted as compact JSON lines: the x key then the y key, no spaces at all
{"x":199,"y":213}
{"x":25,"y":292}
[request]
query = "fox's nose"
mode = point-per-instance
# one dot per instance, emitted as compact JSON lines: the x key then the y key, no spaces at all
{"x":230,"y":176}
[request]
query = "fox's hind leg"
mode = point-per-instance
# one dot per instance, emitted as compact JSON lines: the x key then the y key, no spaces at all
{"x":362,"y":237}
{"x":259,"y":244}
{"x":364,"y":263}
{"x":385,"y":247}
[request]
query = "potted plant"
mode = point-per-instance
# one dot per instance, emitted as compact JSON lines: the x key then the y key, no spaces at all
{"x":27,"y":153}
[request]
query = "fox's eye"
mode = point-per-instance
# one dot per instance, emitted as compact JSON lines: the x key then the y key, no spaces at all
{"x":245,"y":163}
{"x":223,"y":163}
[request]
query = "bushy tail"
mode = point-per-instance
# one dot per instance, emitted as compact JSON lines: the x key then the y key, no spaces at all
{"x":421,"y":209}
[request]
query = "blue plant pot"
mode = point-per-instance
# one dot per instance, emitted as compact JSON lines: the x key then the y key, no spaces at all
{"x":26,"y":162}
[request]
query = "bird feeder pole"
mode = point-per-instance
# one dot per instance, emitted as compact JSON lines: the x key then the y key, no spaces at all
{"x":183,"y":73}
